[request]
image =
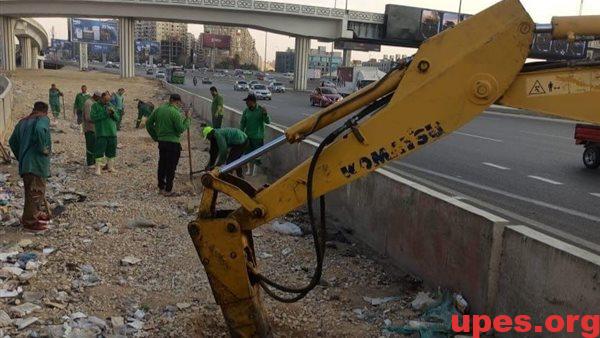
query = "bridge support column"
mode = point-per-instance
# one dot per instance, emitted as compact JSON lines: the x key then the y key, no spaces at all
{"x":25,"y":52}
{"x":301,"y":63}
{"x":8,"y":57}
{"x":83,"y":56}
{"x":35,"y":52}
{"x":127,"y":47}
{"x":347,"y":57}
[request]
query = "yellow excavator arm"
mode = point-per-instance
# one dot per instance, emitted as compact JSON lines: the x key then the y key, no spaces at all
{"x":453,"y":77}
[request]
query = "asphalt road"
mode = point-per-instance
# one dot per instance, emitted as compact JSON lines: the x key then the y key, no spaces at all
{"x":525,"y":169}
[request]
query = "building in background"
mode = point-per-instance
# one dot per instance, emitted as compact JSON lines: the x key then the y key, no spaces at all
{"x":386,"y":64}
{"x":284,"y":61}
{"x":190,"y":42}
{"x":327,"y":62}
{"x":173,"y":38}
{"x":226,"y":47}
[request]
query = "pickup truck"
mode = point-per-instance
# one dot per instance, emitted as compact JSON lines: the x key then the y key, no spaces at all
{"x":589,"y":137}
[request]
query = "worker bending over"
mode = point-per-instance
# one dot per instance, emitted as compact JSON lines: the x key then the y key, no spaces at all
{"x":165,"y":125}
{"x":145,"y":109}
{"x":105,"y":118}
{"x":226,"y":146}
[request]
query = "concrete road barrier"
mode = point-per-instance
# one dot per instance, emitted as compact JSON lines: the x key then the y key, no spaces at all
{"x":444,"y":241}
{"x":6,"y":102}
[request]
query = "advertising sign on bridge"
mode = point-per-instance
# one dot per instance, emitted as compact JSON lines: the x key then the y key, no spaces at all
{"x":94,"y":31}
{"x":147,"y":47}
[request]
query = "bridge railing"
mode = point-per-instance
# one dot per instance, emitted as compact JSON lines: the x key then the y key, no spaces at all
{"x":6,"y":103}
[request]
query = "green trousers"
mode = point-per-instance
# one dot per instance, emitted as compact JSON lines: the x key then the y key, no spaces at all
{"x":90,"y":147}
{"x":106,"y":146}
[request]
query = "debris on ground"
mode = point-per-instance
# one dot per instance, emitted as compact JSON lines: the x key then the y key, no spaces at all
{"x":118,"y":260}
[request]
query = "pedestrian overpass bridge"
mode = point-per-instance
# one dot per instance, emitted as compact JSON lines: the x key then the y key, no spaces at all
{"x":300,"y":21}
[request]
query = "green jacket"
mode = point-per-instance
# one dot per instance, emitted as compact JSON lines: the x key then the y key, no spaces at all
{"x":167,"y":124}
{"x":80,"y":100}
{"x":253,"y":122}
{"x":31,"y":144}
{"x":217,"y":105}
{"x":105,"y":125}
{"x":118,"y":101}
{"x":54,"y":97}
{"x":225,"y":138}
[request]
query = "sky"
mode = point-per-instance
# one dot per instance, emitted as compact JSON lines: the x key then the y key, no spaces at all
{"x":540,"y":10}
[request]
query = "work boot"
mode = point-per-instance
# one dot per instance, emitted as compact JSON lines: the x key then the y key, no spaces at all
{"x":111,"y":165}
{"x":98,"y":168}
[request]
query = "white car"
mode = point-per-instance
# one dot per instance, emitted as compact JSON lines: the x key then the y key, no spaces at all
{"x":160,"y":74}
{"x":261,"y":92}
{"x":241,"y":86}
{"x":276,"y":87}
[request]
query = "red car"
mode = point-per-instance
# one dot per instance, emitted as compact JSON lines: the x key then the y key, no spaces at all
{"x":589,"y":137}
{"x":324,"y":96}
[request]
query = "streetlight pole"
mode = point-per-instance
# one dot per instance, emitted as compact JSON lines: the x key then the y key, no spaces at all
{"x":265,"y":60}
{"x":581,"y":7}
{"x":459,"y":9}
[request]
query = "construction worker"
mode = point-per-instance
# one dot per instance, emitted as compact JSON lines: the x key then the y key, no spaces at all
{"x":89,"y":129}
{"x":78,"y":104}
{"x":226,"y":146}
{"x":105,"y":118}
{"x":54,"y":98}
{"x":216,"y":108}
{"x":32,"y":146}
{"x":144,"y":111}
{"x":165,"y":125}
{"x":118,"y":101}
{"x":254,"y":119}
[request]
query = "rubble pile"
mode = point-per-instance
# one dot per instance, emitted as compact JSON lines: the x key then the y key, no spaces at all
{"x":118,"y":260}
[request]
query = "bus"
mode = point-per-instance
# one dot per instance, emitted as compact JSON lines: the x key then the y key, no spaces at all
{"x":176,"y":75}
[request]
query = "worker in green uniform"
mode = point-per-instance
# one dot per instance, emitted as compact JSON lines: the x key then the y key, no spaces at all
{"x":80,"y":99}
{"x":254,"y":119}
{"x":145,"y":109}
{"x":165,"y":125}
{"x":32,"y":146}
{"x":89,"y":129}
{"x":226,"y":146}
{"x":105,"y":118}
{"x":54,"y":95}
{"x":118,"y":101}
{"x":216,"y":108}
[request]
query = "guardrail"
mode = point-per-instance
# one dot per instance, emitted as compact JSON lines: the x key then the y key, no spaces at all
{"x":6,"y":101}
{"x":500,"y":268}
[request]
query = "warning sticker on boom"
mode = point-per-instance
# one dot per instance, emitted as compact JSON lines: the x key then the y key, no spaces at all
{"x":574,"y":83}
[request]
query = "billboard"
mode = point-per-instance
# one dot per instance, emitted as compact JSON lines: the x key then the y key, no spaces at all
{"x":147,"y":47}
{"x":58,"y":44}
{"x":216,"y":41}
{"x":410,"y":26}
{"x":94,"y":31}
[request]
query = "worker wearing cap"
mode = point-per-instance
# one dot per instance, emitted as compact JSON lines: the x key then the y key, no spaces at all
{"x":226,"y":146}
{"x":165,"y":125}
{"x":254,"y":119}
{"x":89,"y":129}
{"x":105,"y":118}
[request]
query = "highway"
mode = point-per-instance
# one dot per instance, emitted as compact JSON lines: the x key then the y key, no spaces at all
{"x":523,"y":168}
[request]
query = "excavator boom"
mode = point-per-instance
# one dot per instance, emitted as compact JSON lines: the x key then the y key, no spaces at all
{"x":454,"y":76}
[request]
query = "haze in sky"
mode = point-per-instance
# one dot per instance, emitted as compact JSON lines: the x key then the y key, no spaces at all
{"x":540,"y":10}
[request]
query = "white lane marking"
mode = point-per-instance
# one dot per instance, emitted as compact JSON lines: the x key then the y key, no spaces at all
{"x":307,"y":115}
{"x":495,"y":166}
{"x":529,"y":117}
{"x":547,"y":180}
{"x":477,"y":136}
{"x":504,"y":193}
{"x":547,"y":135}
{"x":595,"y":194}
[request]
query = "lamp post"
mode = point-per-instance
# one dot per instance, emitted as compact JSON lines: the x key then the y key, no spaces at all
{"x":459,"y":9}
{"x":581,"y":7}
{"x":265,"y":60}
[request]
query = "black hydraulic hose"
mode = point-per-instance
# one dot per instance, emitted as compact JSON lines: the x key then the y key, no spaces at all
{"x":320,"y":232}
